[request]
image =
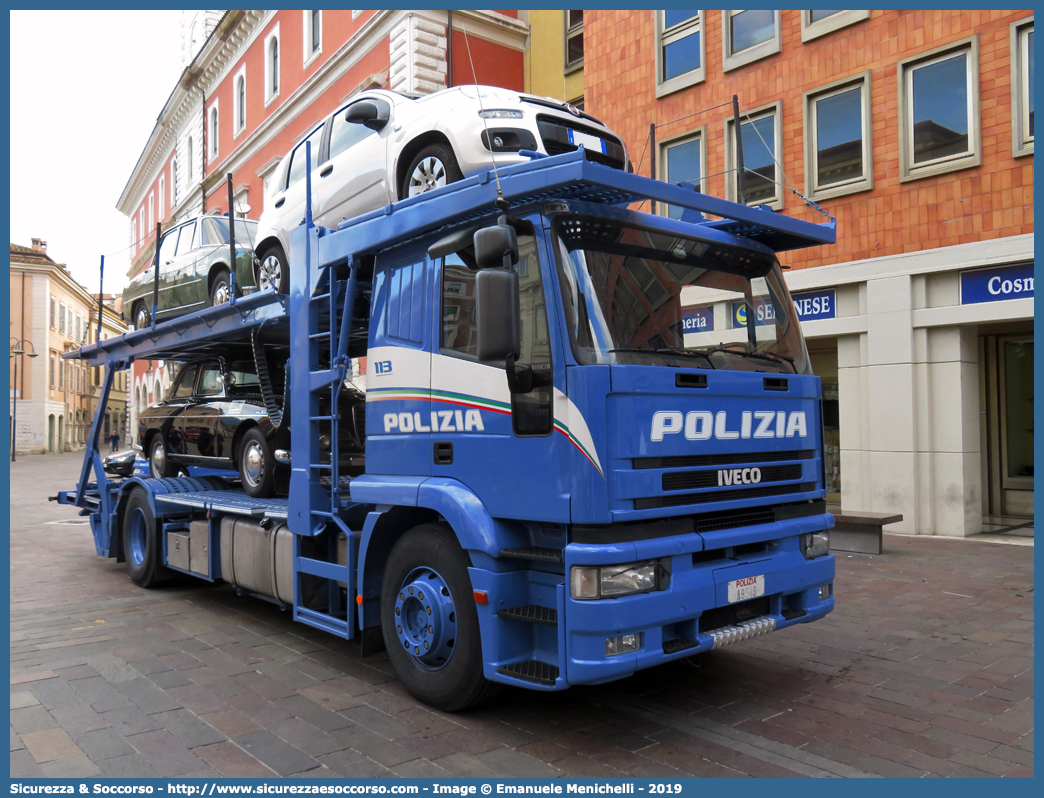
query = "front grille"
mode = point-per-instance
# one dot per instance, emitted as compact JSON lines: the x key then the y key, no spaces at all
{"x":691,"y":460}
{"x":556,"y":140}
{"x":733,"y":519}
{"x":654,"y":502}
{"x":689,"y":480}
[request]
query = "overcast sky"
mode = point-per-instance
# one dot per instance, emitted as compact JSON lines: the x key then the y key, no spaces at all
{"x":82,"y":109}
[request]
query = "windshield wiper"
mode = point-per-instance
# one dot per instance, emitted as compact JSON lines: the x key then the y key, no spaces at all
{"x":770,"y":356}
{"x":669,"y":350}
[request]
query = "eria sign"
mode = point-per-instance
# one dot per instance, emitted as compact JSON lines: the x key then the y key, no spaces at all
{"x":699,"y":319}
{"x":997,"y":284}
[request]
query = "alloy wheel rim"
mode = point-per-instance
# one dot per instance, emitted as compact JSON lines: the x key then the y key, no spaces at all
{"x":221,"y":294}
{"x":427,"y":175}
{"x":271,"y":272}
{"x":426,"y":619}
{"x":159,"y":460}
{"x":253,"y":463}
{"x":141,"y":321}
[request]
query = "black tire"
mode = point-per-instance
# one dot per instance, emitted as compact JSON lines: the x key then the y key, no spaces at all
{"x":272,"y":270}
{"x":159,"y":462}
{"x":141,"y":542}
{"x":441,"y":170}
{"x":220,"y":288}
{"x":256,"y":464}
{"x":140,"y":316}
{"x":458,"y":683}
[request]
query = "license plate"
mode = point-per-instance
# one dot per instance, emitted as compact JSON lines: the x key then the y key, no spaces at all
{"x":576,"y":138}
{"x":748,"y":588}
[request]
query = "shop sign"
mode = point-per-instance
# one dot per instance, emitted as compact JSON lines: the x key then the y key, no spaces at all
{"x":815,"y":305}
{"x":811,"y":306}
{"x":997,"y":284}
{"x":699,"y":319}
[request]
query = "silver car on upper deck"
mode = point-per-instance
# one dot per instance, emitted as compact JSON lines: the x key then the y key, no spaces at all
{"x":382,"y":146}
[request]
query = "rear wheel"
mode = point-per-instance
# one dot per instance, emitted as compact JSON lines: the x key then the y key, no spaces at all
{"x":256,"y":464}
{"x":433,"y":167}
{"x":159,"y":464}
{"x":429,"y":620}
{"x":141,"y":316}
{"x":141,"y":542}
{"x":273,"y":272}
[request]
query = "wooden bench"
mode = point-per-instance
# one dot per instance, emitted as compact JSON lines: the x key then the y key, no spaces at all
{"x":860,"y":532}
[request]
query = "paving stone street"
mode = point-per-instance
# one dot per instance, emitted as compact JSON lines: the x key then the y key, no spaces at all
{"x":924,"y":669}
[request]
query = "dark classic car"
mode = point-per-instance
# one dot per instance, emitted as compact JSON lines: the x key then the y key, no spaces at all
{"x":194,"y":270}
{"x":215,"y":416}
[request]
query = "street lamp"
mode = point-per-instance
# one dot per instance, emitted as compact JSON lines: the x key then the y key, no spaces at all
{"x":16,"y":349}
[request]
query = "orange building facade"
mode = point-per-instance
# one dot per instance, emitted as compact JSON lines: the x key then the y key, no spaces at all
{"x":914,"y":129}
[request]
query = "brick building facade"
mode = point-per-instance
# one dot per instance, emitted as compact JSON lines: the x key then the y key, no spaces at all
{"x":915,"y":130}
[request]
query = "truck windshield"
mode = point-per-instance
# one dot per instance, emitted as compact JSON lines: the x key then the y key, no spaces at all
{"x":643,"y":297}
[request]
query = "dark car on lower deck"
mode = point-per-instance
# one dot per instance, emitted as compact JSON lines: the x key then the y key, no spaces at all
{"x":215,"y":416}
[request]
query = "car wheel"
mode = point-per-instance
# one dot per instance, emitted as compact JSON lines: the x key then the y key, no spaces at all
{"x":141,"y":317}
{"x":256,"y":464}
{"x":159,"y":464}
{"x":273,"y":271}
{"x":220,"y":289}
{"x":433,"y":167}
{"x":141,"y":542}
{"x":429,"y":620}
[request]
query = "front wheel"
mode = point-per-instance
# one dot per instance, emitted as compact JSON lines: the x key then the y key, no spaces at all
{"x":256,"y":464}
{"x":141,"y":542}
{"x":272,"y":271}
{"x":159,"y":464}
{"x":429,"y":620}
{"x":433,"y":167}
{"x":221,"y":288}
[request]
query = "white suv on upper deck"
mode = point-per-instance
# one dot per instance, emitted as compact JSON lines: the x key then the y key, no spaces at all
{"x":382,"y":146}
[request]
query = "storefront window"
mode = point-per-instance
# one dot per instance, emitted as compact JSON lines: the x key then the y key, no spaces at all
{"x":831,"y":441}
{"x":1018,"y":407}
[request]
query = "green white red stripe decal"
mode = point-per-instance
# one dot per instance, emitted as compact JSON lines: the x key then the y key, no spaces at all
{"x":467,"y":400}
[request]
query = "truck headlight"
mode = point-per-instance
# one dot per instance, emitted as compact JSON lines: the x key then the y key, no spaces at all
{"x":612,"y":581}
{"x":815,"y":544}
{"x":500,"y":113}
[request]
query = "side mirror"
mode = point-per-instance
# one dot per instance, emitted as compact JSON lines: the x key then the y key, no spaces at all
{"x":366,"y":113}
{"x":497,"y":314}
{"x":494,"y":245}
{"x":229,"y":379}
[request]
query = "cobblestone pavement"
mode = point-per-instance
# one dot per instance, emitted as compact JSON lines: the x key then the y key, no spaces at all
{"x":924,"y":669}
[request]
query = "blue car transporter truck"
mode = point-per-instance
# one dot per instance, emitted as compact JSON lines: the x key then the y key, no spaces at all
{"x":567,"y":476}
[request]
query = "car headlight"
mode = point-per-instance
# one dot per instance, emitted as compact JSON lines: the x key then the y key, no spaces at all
{"x":500,"y":113}
{"x":815,"y":544}
{"x":613,"y":581}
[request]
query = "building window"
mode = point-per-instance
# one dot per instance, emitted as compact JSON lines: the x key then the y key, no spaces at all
{"x":61,"y":317}
{"x":174,"y":182}
{"x":189,"y":164}
{"x":838,"y":132}
{"x":680,"y":162}
{"x":134,"y":241}
{"x":1022,"y":87}
{"x":141,"y":224}
{"x":312,"y":26}
{"x":53,"y":304}
{"x":239,"y":106}
{"x":574,"y":39}
{"x":51,"y":381}
{"x":939,"y":111}
{"x":152,"y":210}
{"x":272,"y":65}
{"x":681,"y":50}
{"x":79,"y":321}
{"x":819,"y":23}
{"x":213,"y":132}
{"x":762,"y":139}
{"x":749,"y":35}
{"x":159,"y":195}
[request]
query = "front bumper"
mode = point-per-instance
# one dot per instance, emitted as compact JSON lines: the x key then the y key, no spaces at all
{"x":693,"y":614}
